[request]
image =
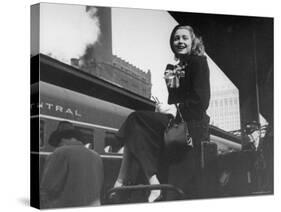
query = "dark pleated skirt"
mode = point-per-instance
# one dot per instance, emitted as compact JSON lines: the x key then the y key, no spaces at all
{"x":142,"y":133}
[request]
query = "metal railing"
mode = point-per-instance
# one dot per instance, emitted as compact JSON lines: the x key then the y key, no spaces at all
{"x":167,"y":187}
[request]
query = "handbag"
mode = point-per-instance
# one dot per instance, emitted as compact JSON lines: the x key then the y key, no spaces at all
{"x":177,"y":133}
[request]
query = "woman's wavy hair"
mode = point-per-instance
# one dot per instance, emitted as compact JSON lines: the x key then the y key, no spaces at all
{"x":197,"y":47}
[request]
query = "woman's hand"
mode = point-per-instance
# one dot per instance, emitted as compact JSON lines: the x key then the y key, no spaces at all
{"x":164,"y":108}
{"x":158,"y":107}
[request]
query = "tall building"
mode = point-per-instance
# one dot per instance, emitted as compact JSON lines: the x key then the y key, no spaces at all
{"x":224,"y":108}
{"x":120,"y":73}
{"x":131,"y":77}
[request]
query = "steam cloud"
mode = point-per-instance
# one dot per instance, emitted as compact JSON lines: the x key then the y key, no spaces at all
{"x":67,"y":30}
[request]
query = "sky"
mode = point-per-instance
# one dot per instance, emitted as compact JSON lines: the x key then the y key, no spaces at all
{"x":142,"y":38}
{"x":66,"y":29}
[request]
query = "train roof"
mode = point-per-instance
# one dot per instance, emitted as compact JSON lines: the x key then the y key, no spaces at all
{"x":67,"y":76}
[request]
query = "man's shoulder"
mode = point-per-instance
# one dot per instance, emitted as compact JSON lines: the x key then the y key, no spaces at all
{"x":65,"y":150}
{"x":74,"y":149}
{"x":92,"y":153}
{"x":61,"y":149}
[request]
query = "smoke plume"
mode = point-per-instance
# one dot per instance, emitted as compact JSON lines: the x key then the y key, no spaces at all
{"x":67,"y":30}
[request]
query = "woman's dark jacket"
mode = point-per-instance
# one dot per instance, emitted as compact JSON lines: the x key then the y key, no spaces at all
{"x":194,"y":91}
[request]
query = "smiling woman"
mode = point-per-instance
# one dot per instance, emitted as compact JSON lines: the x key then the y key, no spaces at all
{"x":182,"y":42}
{"x":185,"y":42}
{"x":142,"y":132}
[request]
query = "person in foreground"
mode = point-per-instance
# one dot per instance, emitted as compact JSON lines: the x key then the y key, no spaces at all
{"x":73,"y":174}
{"x":142,"y":132}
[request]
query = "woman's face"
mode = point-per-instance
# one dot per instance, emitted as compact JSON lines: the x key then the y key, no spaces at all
{"x":182,"y":42}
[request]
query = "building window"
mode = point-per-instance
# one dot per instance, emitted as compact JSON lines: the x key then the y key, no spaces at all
{"x":216,"y":103}
{"x":225,"y":102}
{"x":123,"y":81}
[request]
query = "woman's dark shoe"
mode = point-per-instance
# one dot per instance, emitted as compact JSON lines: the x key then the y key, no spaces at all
{"x":114,"y":197}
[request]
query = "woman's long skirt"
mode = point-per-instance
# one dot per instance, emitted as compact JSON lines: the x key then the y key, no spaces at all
{"x":143,"y":133}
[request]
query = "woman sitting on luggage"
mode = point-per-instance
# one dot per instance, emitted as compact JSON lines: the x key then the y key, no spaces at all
{"x":142,"y":132}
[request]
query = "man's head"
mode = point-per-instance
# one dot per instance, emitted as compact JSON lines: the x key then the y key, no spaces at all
{"x":250,"y":127}
{"x":65,"y":134}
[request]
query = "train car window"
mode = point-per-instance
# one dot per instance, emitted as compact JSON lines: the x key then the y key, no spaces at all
{"x":41,"y":135}
{"x":111,"y":144}
{"x":88,"y":136}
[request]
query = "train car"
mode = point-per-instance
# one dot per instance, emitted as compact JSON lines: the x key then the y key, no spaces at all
{"x":99,"y":120}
